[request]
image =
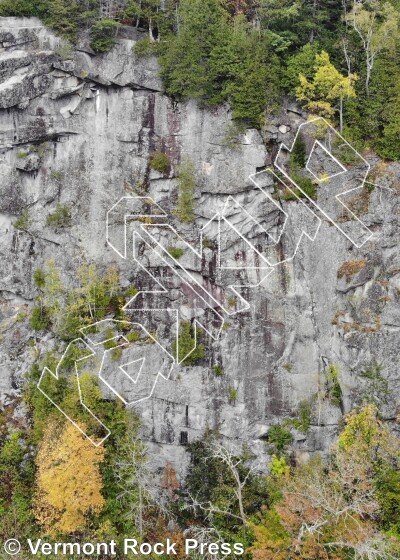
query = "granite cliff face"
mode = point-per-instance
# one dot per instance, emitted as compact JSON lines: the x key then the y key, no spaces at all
{"x":78,"y":130}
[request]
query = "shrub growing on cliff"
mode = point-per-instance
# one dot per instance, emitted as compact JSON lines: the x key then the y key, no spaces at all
{"x":305,"y":415}
{"x":187,"y":345}
{"x":176,"y":252}
{"x":306,"y":185}
{"x":69,"y":309}
{"x":145,"y":47}
{"x":333,"y":388}
{"x":279,"y":438}
{"x":297,"y":158}
{"x":40,"y":319}
{"x":39,"y":278}
{"x":103,"y":35}
{"x":24,"y":221}
{"x":303,"y":421}
{"x":66,"y":52}
{"x":232,"y":395}
{"x":186,"y":188}
{"x":159,"y":161}
{"x":218,"y":370}
{"x":60,"y":218}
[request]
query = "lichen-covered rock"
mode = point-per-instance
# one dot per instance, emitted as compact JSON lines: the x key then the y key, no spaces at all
{"x":29,"y":163}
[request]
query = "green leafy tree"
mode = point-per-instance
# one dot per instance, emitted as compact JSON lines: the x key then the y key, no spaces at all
{"x":387,"y":483}
{"x":68,"y":17}
{"x":221,"y":491}
{"x":278,"y":467}
{"x":16,"y":485}
{"x":135,"y":487}
{"x":238,"y":7}
{"x":327,"y":86}
{"x":299,"y":22}
{"x":339,"y":508}
{"x":372,"y":121}
{"x":274,"y":14}
{"x":279,"y":438}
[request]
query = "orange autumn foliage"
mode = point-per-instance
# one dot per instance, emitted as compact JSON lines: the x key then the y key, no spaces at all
{"x":170,"y":482}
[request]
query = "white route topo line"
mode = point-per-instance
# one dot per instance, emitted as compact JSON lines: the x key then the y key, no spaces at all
{"x":118,"y":241}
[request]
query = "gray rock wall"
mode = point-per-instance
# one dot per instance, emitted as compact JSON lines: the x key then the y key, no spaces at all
{"x":79,"y":131}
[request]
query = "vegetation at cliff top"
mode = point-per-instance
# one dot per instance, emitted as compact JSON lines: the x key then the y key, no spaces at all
{"x":338,"y":59}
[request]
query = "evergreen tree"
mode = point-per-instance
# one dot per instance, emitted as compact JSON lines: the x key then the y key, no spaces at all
{"x":185,"y":63}
{"x":249,"y":73}
{"x":298,"y":154}
{"x":301,"y":21}
{"x":20,"y":8}
{"x":389,"y":145}
{"x":302,"y":62}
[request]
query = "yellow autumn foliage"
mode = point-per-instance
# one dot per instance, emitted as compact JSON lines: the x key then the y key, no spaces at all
{"x":69,"y":482}
{"x":366,"y":437}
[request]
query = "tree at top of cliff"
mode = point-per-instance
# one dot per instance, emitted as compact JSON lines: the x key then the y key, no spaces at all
{"x":247,"y":70}
{"x":376,"y":24}
{"x":185,"y":63}
{"x":216,"y":61}
{"x":327,"y":88}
